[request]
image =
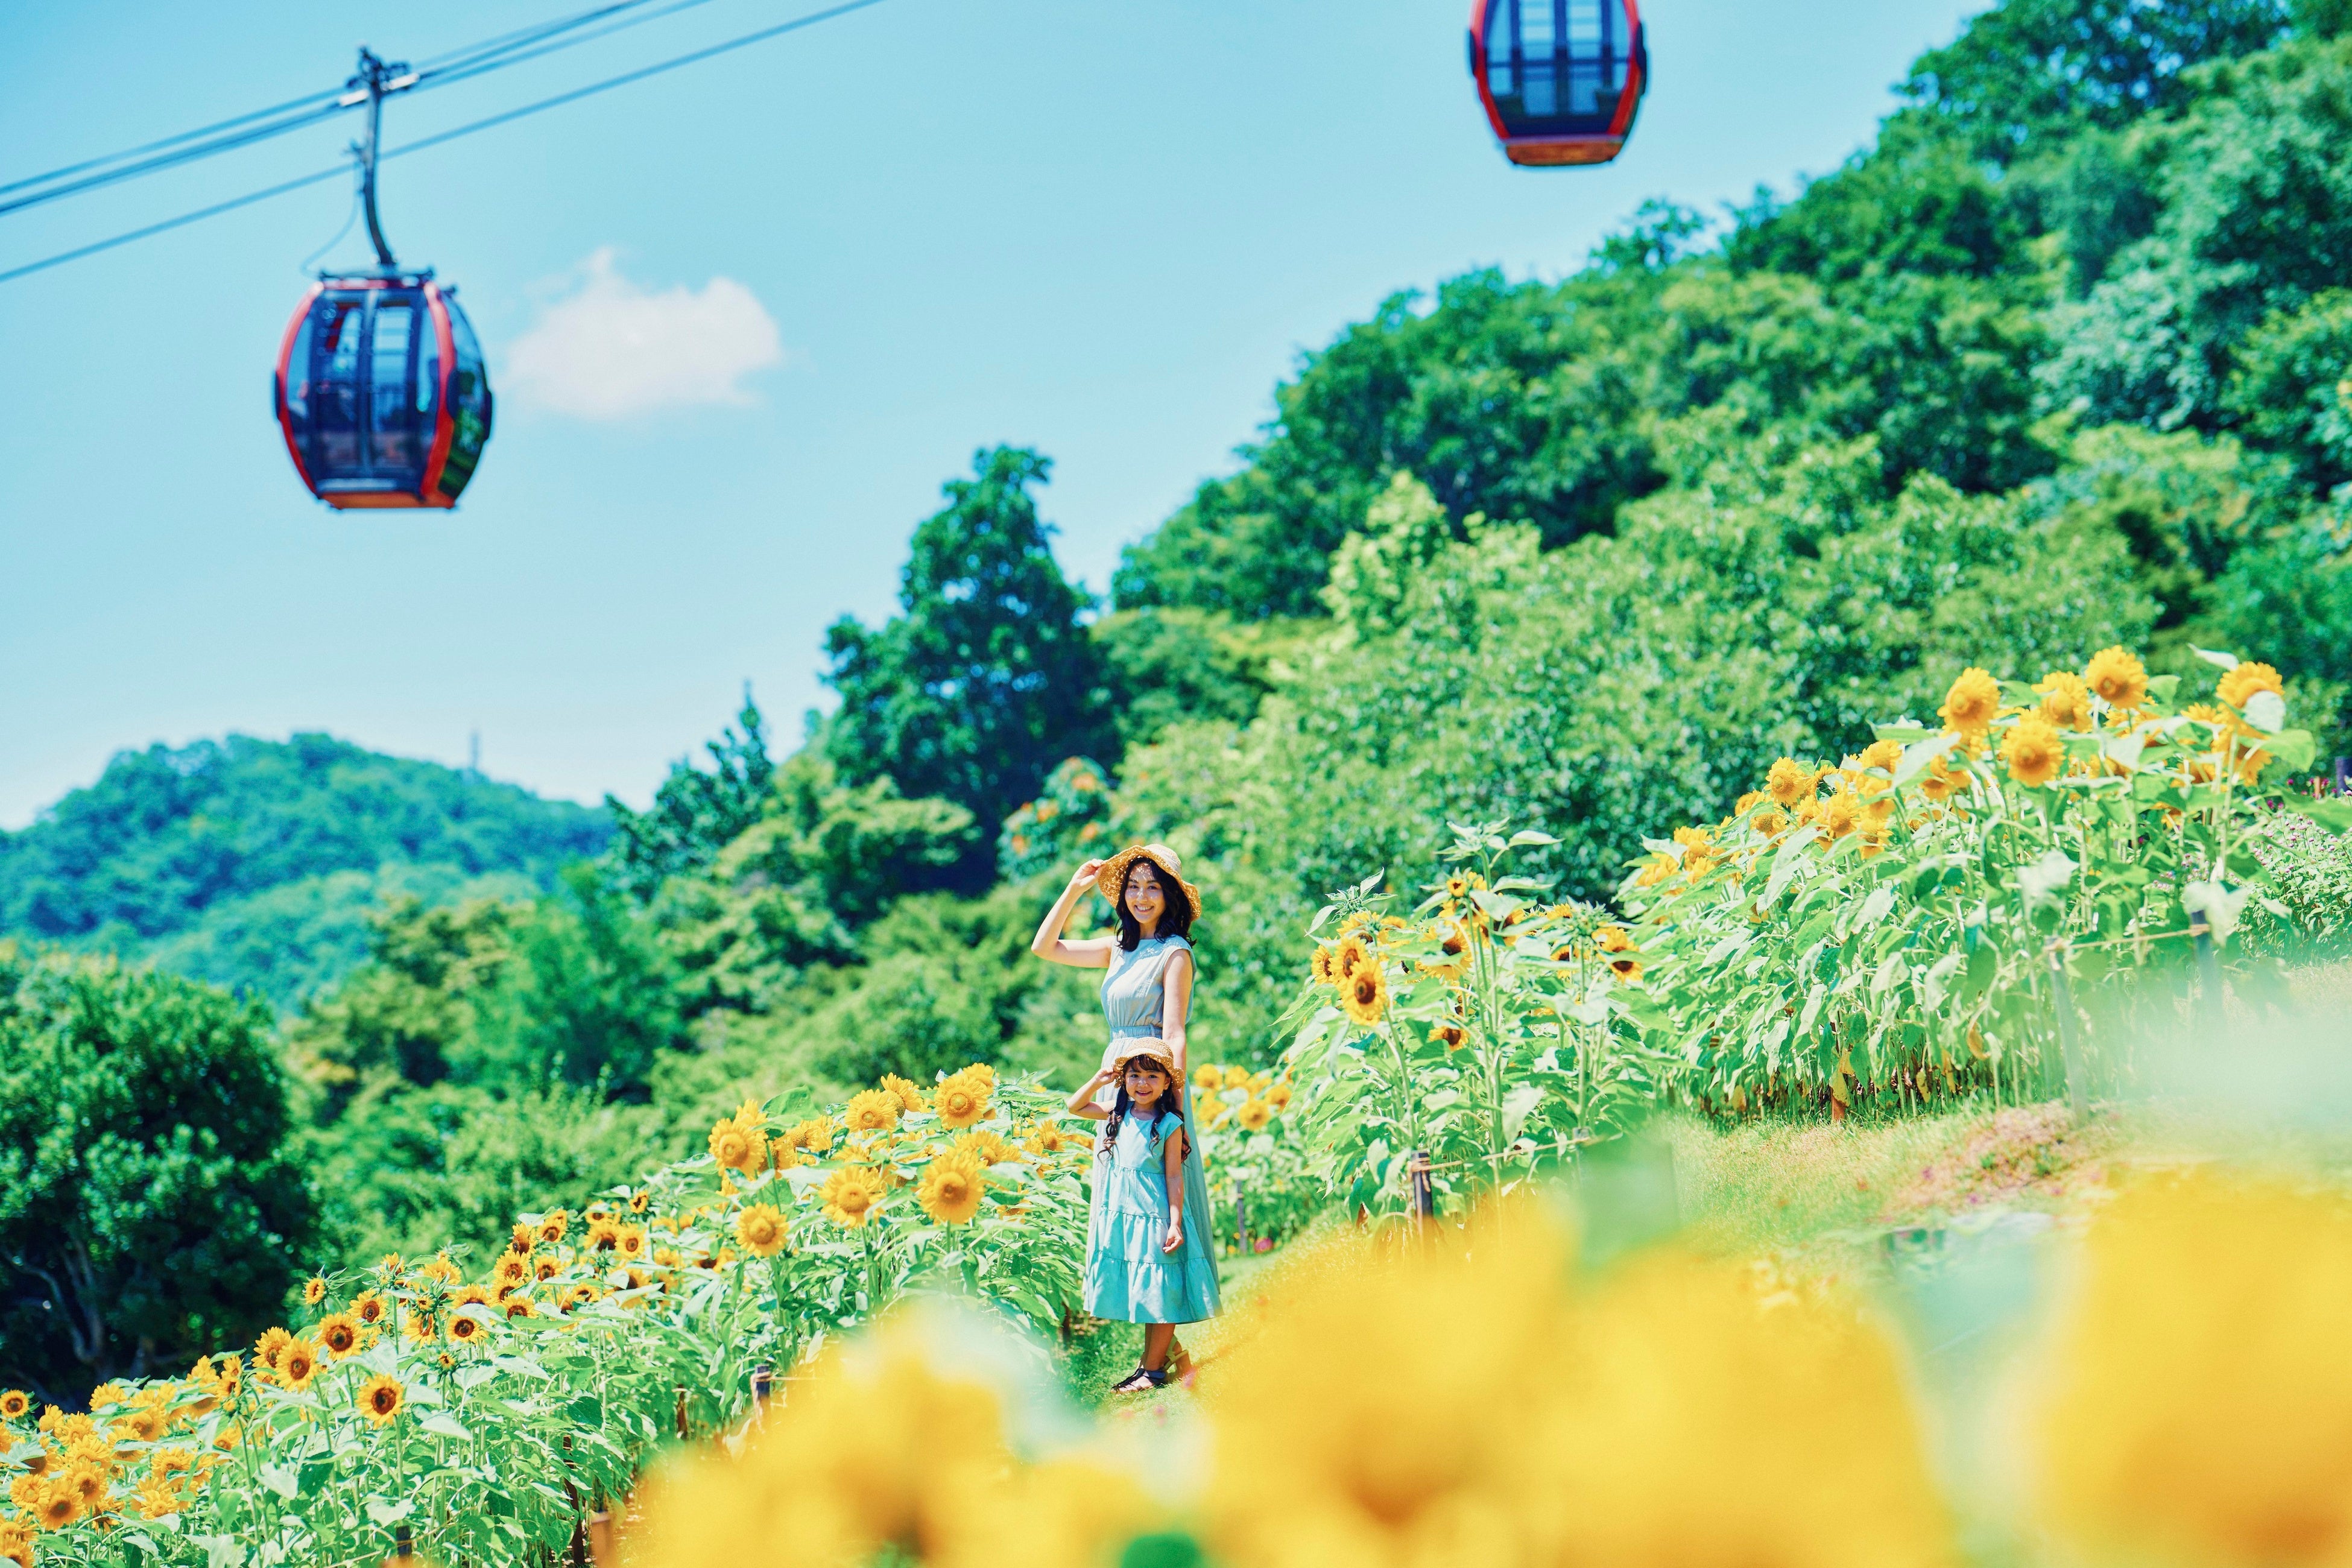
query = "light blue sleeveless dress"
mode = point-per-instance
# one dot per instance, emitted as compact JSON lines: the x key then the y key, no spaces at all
{"x":1128,"y":1277}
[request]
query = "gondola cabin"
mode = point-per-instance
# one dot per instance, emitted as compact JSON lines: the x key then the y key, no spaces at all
{"x":1561,"y":80}
{"x":382,"y":392}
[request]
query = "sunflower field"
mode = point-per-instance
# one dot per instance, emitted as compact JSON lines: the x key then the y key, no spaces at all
{"x":493,"y":1411}
{"x":1262,"y":1184}
{"x":1998,"y":904}
{"x":2001,"y":901}
{"x":1489,"y":1036}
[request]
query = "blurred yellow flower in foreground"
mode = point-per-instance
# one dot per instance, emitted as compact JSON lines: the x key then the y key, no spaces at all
{"x":1413,"y":1447}
{"x":1693,"y":1420}
{"x":2196,"y":1404}
{"x":1670,"y":1418}
{"x":881,"y":1448}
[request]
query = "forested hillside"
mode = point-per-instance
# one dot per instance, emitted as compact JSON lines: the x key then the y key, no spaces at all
{"x":256,"y":863}
{"x":2064,"y":361}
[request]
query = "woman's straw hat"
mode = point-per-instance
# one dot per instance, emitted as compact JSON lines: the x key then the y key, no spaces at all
{"x":1111,"y":881}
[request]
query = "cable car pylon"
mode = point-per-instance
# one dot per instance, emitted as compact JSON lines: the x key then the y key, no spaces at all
{"x":381,"y":389}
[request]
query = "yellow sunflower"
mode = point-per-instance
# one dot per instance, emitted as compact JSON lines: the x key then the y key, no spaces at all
{"x":962,"y":1101}
{"x":297,"y":1363}
{"x":2238,"y":685}
{"x":551,"y":1229}
{"x":1351,"y":954}
{"x":1365,"y":995}
{"x":909,"y":1096}
{"x":1255,"y":1114}
{"x":2118,"y":678}
{"x":270,"y":1346}
{"x":513,"y":1267}
{"x":381,"y":1398}
{"x":1880,"y":754}
{"x":1324,"y":966}
{"x":1972,"y":701}
{"x":56,"y":1505}
{"x":1789,"y":782}
{"x":988,"y":1146}
{"x":631,"y":1242}
{"x":418,"y":1327}
{"x":850,"y":1195}
{"x":2034,"y":751}
{"x":2065,"y":700}
{"x":872,"y":1111}
{"x":368,"y":1307}
{"x":1453,"y":943}
{"x":761,"y":1228}
{"x":464,"y":1328}
{"x":1206,"y":1077}
{"x":737,"y":1147}
{"x":952,"y":1189}
{"x":1278,"y":1093}
{"x":14,"y":1403}
{"x":338,"y":1334}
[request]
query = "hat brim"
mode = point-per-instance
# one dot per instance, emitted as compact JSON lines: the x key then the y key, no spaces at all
{"x":1112,"y":878}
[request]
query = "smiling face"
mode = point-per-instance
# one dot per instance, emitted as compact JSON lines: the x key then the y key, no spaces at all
{"x":1145,"y":1082}
{"x":1146,"y":900}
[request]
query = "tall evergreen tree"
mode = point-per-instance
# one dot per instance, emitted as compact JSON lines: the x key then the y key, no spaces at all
{"x":986,"y":677}
{"x":694,"y":814}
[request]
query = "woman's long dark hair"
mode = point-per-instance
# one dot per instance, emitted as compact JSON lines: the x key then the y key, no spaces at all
{"x":1176,"y":916}
{"x":1121,"y":1107}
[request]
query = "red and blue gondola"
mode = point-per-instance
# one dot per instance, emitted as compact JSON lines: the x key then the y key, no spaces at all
{"x":1561,"y":80}
{"x":382,"y":392}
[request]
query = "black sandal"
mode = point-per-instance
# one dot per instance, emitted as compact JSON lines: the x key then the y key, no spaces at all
{"x":1151,"y":1379}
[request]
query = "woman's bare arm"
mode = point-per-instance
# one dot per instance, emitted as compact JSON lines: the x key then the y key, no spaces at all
{"x":1176,"y":1004}
{"x":1092,"y":952}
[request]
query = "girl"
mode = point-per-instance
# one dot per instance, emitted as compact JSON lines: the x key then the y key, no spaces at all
{"x":1149,"y":1254}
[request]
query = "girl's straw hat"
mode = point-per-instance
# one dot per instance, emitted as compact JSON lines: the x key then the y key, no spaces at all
{"x":1155,"y":1050}
{"x":1111,"y":881}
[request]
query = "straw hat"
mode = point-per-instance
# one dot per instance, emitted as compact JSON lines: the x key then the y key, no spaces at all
{"x":1111,"y":881}
{"x":1124,"y":1052}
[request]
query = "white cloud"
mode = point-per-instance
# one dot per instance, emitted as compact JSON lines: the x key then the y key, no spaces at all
{"x":611,"y":348}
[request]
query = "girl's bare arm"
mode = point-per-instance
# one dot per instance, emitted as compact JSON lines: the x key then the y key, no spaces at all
{"x":1083,"y":1103}
{"x":1173,"y":1161}
{"x":1092,"y":952}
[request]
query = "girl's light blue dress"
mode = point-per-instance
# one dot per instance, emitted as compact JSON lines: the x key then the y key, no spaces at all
{"x":1128,"y":1277}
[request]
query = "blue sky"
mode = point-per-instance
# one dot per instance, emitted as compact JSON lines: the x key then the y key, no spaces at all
{"x":846,"y":259}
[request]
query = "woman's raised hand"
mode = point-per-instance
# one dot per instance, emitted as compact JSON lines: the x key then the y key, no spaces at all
{"x":1086,"y":874}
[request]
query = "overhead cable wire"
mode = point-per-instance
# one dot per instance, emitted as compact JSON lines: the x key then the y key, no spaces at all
{"x":169,"y":159}
{"x":304,"y":101}
{"x":457,"y":65}
{"x":574,"y":96}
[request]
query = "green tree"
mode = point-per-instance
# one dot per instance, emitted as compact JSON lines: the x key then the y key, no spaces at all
{"x":587,"y":997}
{"x":695,"y":812}
{"x":150,"y":1209}
{"x":986,"y":677}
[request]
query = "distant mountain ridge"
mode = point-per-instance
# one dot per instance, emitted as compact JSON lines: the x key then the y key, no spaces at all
{"x":254,"y":862}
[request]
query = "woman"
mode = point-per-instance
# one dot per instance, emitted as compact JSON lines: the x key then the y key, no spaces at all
{"x":1147,"y":995}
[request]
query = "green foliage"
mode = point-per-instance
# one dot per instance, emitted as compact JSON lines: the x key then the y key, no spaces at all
{"x":1064,"y":825}
{"x":1777,"y":602}
{"x":2028,"y":70}
{"x":985,"y":678}
{"x":586,"y":996}
{"x":150,"y":1209}
{"x":694,"y":814}
{"x":171,"y":845}
{"x":418,"y":1171}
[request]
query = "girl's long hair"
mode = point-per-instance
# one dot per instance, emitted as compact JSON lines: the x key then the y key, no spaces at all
{"x":1176,"y":910}
{"x":1121,"y":1107}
